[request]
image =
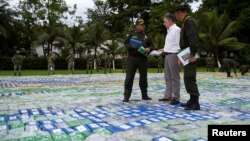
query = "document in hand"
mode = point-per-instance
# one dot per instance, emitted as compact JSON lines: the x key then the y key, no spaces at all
{"x":135,"y":42}
{"x":184,"y":56}
{"x":156,"y":53}
{"x":142,"y":51}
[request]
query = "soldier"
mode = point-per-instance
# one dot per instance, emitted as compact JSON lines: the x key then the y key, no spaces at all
{"x":137,"y":60}
{"x":244,"y":69}
{"x":210,"y":62}
{"x":107,"y":62}
{"x":90,"y":59}
{"x":98,"y":63}
{"x":124,"y":62}
{"x":189,"y":38}
{"x":227,"y":64}
{"x":71,"y":62}
{"x":51,"y":64}
{"x":160,"y":63}
{"x":17,"y":60}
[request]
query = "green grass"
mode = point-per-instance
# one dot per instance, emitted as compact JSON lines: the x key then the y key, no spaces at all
{"x":65,"y":72}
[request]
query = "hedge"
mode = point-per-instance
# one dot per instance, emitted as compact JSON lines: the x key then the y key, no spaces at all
{"x":60,"y":63}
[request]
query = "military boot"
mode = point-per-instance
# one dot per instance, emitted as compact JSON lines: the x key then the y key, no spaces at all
{"x":194,"y":104}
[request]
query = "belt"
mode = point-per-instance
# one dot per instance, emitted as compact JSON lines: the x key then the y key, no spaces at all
{"x":168,"y":53}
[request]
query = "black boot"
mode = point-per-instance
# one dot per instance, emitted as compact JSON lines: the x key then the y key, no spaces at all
{"x":187,"y":103}
{"x":126,"y":97}
{"x":194,"y":104}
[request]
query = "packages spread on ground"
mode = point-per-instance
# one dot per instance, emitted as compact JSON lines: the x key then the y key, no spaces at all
{"x":90,"y":107}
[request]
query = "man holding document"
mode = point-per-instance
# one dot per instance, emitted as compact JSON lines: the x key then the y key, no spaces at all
{"x":189,"y":42}
{"x":139,"y":45}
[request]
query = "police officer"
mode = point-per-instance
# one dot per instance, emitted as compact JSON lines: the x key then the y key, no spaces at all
{"x":137,"y":60}
{"x":107,"y":63}
{"x":71,"y":62}
{"x":90,"y":59}
{"x":51,"y":64}
{"x":189,"y":38}
{"x":17,"y":60}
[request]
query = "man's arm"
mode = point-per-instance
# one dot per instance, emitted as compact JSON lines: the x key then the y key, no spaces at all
{"x":192,"y":35}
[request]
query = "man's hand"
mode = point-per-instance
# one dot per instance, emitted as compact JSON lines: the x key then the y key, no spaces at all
{"x":147,"y":50}
{"x":134,"y":46}
{"x":192,"y":59}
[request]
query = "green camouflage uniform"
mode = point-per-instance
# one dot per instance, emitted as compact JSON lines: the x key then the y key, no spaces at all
{"x":51,"y":64}
{"x":160,"y":61}
{"x":107,"y":63}
{"x":98,"y":63}
{"x":17,"y":61}
{"x":71,"y":62}
{"x":90,"y":59}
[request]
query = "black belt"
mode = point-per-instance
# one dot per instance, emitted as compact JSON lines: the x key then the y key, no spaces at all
{"x":168,"y":53}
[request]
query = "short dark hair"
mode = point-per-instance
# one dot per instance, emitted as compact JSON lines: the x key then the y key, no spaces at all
{"x":170,"y":16}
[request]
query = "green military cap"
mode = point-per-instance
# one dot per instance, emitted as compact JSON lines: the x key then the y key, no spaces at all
{"x":139,"y":21}
{"x":182,"y":7}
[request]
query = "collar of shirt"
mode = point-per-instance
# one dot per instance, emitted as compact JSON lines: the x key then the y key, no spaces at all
{"x":171,"y":27}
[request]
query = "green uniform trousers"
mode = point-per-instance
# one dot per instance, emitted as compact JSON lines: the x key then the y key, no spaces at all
{"x":190,"y":79}
{"x":132,"y":64}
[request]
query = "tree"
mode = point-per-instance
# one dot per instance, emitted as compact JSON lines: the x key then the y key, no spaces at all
{"x":112,"y":48}
{"x":8,"y":34}
{"x":48,"y":40}
{"x":218,"y":31}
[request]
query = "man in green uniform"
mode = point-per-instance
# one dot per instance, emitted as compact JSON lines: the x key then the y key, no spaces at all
{"x":189,"y":38}
{"x":71,"y":62}
{"x":107,"y":63}
{"x":17,"y":60}
{"x":98,"y":63}
{"x":137,"y":59}
{"x":210,"y":62}
{"x":227,"y":64}
{"x":51,"y":64}
{"x":160,"y":64}
{"x":90,"y":59}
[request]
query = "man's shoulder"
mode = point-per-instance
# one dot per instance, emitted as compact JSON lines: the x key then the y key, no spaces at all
{"x":190,"y":20}
{"x":177,"y":28}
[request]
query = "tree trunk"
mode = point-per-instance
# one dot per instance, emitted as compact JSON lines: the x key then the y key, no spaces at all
{"x":113,"y":62}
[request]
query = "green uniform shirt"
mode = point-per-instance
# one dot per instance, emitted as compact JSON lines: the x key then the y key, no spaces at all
{"x":17,"y":59}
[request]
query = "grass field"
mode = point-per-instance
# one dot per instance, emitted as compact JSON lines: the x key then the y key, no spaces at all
{"x":65,"y":72}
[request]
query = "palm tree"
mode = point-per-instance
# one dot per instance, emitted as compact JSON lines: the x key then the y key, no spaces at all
{"x":47,"y":40}
{"x":114,"y":49}
{"x":95,"y":35}
{"x":218,"y":33}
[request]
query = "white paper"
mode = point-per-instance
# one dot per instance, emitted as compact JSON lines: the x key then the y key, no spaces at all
{"x":155,"y":53}
{"x":184,"y":56}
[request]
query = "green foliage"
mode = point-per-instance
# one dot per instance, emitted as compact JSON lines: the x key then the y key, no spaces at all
{"x":218,"y":31}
